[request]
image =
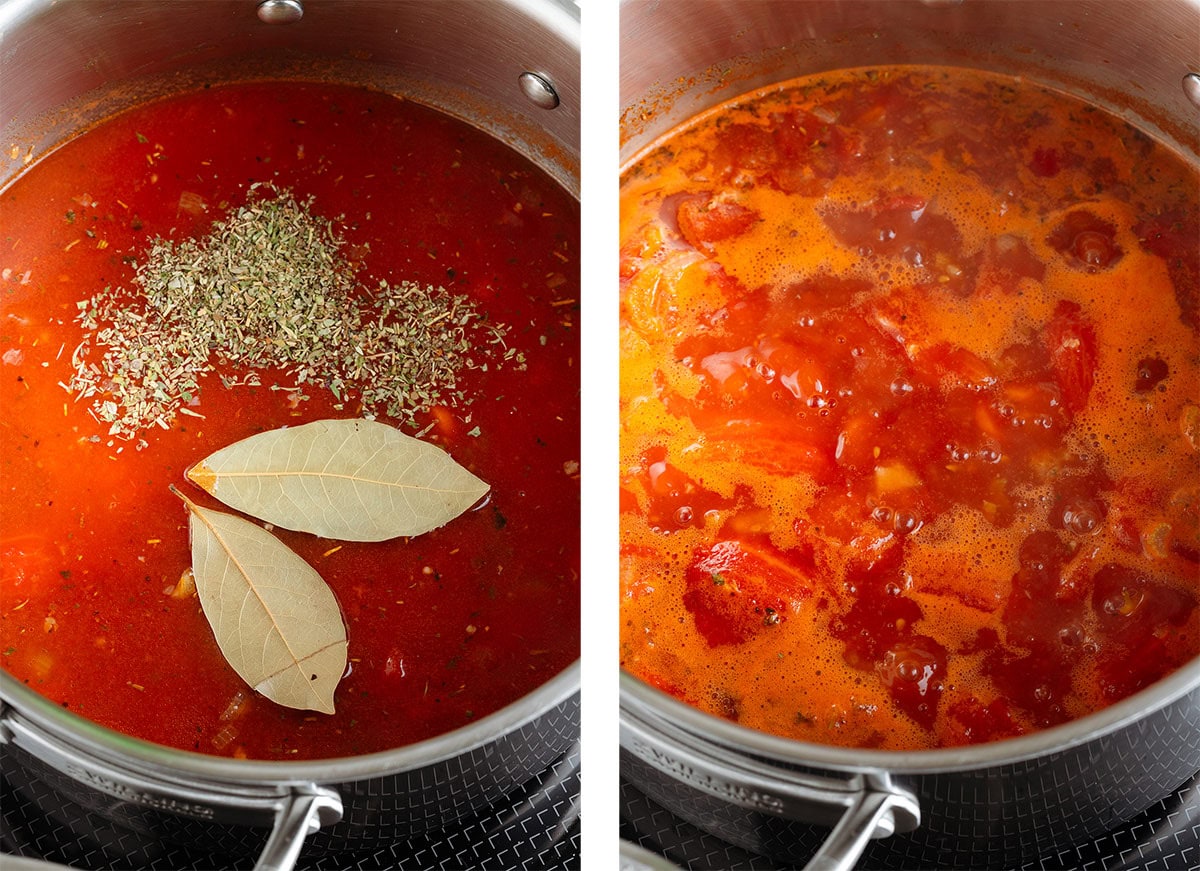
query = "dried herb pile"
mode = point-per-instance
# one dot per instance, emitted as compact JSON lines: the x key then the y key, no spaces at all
{"x":268,"y":288}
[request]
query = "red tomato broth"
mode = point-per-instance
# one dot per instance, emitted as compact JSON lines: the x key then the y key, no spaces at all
{"x":909,"y":410}
{"x":443,"y":629}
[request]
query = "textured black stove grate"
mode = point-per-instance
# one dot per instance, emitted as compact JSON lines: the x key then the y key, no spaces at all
{"x":1166,"y":837}
{"x":535,"y":828}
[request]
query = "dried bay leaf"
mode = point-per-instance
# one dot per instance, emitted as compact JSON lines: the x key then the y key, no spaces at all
{"x":354,"y":480}
{"x":276,"y":621}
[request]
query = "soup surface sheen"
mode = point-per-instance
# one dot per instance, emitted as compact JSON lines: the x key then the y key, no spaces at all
{"x":443,"y":628}
{"x":910,"y":372}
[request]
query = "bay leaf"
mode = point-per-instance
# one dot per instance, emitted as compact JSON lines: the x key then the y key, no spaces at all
{"x":276,"y":621}
{"x":354,"y":480}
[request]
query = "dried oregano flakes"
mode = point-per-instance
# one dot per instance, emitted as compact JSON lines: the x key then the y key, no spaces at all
{"x":268,"y":287}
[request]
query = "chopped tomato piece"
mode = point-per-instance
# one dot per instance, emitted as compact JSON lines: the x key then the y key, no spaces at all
{"x":736,"y":589}
{"x":661,"y":683}
{"x":1071,"y":341}
{"x":675,"y":500}
{"x":1137,"y":616}
{"x":1150,"y":373}
{"x":1131,"y":605}
{"x":704,"y":222}
{"x":958,"y":364}
{"x":881,"y":614}
{"x":1038,"y":683}
{"x":627,"y":501}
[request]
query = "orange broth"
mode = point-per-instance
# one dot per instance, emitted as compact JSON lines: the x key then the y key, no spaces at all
{"x":444,"y":628}
{"x":910,"y":376}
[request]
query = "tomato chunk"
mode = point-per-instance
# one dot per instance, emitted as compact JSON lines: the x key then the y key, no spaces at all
{"x":1071,"y":341}
{"x":704,"y":222}
{"x":736,"y":589}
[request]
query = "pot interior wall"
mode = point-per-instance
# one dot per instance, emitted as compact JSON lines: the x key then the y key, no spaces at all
{"x":679,"y":59}
{"x":68,"y":65}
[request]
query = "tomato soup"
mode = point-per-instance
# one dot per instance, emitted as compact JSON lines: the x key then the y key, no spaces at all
{"x":443,"y":628}
{"x":910,"y":409}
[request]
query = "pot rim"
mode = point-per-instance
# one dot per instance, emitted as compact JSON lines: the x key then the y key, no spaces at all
{"x":636,"y":694}
{"x":505,"y":115}
{"x":110,"y":745}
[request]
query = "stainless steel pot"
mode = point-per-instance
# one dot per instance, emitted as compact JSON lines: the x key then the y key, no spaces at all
{"x":508,"y":67}
{"x":1013,"y":800}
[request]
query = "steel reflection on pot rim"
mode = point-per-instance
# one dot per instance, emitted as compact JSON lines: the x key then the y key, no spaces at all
{"x":104,"y":743}
{"x":639,"y":696}
{"x":736,"y":779}
{"x":292,"y":798}
{"x":681,"y":60}
{"x":461,"y":58}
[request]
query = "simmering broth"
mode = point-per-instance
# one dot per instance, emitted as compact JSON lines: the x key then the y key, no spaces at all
{"x":443,"y":628}
{"x":909,"y":439}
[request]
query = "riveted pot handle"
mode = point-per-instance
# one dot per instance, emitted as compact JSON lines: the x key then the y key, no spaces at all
{"x":849,"y":837}
{"x":859,"y":806}
{"x":300,"y":814}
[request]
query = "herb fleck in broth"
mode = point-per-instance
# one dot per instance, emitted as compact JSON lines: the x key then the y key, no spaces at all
{"x":444,"y":628}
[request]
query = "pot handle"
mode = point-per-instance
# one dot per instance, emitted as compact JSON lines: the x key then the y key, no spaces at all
{"x":849,"y":837}
{"x":301,"y":812}
{"x":296,"y":809}
{"x":859,"y":806}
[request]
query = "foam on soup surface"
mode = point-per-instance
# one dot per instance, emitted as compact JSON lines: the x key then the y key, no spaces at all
{"x":910,"y":375}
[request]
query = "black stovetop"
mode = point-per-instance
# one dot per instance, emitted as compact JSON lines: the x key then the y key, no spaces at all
{"x":1165,"y":837}
{"x":535,"y":828}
